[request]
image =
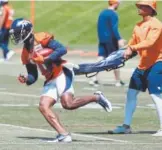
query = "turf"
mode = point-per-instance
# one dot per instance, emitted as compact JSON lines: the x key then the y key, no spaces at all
{"x":74,"y":22}
{"x":89,"y":127}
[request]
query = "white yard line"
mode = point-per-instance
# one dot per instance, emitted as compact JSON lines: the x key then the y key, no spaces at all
{"x":19,"y":95}
{"x":58,"y":105}
{"x":75,"y":134}
{"x":2,"y":89}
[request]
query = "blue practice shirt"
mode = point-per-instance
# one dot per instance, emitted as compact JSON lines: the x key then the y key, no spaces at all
{"x":107,"y":26}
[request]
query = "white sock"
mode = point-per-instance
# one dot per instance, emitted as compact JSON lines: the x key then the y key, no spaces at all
{"x":130,"y":105}
{"x":94,"y":78}
{"x":157,"y":98}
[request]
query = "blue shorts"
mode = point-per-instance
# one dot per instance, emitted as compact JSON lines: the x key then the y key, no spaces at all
{"x":150,"y":79}
{"x":105,"y":49}
{"x":4,"y":35}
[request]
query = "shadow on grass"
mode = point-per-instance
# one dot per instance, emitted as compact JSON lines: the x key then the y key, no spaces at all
{"x":49,"y":140}
{"x":111,"y":132}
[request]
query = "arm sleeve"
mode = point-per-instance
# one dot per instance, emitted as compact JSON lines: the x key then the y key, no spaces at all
{"x":32,"y":73}
{"x":150,"y":40}
{"x":59,"y":51}
{"x":115,"y":22}
{"x":132,"y":41}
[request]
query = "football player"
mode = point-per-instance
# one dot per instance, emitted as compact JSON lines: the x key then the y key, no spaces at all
{"x":42,"y":51}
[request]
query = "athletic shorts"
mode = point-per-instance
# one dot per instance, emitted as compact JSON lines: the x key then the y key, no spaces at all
{"x":57,"y":87}
{"x":150,"y":79}
{"x":105,"y":49}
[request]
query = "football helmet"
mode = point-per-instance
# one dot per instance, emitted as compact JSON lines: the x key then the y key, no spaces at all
{"x":20,"y":30}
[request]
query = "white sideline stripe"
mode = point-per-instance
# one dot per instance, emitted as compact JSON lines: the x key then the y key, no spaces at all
{"x":100,"y":138}
{"x":20,"y":95}
{"x":37,"y":96}
{"x":115,"y":105}
{"x":81,"y":135}
{"x":58,"y":105}
{"x":15,"y":105}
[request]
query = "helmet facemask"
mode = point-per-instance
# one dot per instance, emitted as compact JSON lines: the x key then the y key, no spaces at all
{"x":19,"y":35}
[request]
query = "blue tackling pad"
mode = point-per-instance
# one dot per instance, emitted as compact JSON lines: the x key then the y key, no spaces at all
{"x":114,"y":61}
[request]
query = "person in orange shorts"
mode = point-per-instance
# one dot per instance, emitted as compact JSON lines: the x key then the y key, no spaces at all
{"x":146,"y":41}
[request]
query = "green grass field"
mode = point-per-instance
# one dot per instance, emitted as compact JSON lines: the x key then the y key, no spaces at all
{"x":23,"y":127}
{"x":74,"y":22}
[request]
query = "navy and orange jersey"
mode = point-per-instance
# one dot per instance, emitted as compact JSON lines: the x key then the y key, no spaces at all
{"x":8,"y":18}
{"x":52,"y":66}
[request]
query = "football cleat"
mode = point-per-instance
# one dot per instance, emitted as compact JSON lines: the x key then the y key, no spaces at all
{"x":103,"y":101}
{"x":120,"y":130}
{"x":62,"y":138}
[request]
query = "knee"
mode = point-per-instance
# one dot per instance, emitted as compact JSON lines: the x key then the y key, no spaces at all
{"x":43,"y":108}
{"x":66,"y":104}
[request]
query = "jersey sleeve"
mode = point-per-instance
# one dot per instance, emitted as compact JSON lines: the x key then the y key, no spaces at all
{"x":59,"y":51}
{"x":115,"y":23}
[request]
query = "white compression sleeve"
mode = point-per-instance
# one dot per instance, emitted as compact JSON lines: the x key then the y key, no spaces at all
{"x":157,"y":98}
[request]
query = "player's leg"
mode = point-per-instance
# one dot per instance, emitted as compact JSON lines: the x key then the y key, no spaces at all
{"x":66,"y":92}
{"x":45,"y":107}
{"x":117,"y":78}
{"x":155,"y":91}
{"x":70,"y":102}
{"x":10,"y":53}
{"x":48,"y":99}
{"x":7,"y":54}
{"x":4,"y":44}
{"x":137,"y":84}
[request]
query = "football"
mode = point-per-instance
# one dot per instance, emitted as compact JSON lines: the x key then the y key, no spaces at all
{"x":45,"y":52}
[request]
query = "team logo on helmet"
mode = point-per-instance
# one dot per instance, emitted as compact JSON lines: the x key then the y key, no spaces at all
{"x":20,"y":30}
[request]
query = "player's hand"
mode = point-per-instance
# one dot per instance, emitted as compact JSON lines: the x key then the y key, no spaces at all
{"x":128,"y":52}
{"x":37,"y":58}
{"x":22,"y":78}
{"x":122,"y":43}
{"x":70,"y":65}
